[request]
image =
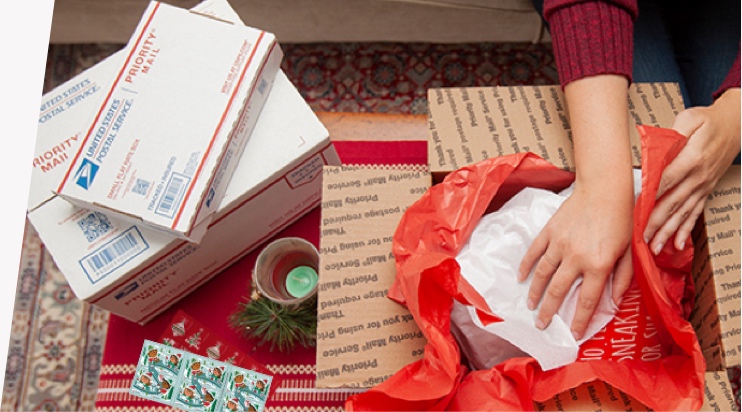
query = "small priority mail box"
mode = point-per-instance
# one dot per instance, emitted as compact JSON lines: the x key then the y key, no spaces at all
{"x":136,"y":272}
{"x":162,"y":146}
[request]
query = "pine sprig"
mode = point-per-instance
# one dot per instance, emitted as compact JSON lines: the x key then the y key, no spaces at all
{"x":283,"y":326}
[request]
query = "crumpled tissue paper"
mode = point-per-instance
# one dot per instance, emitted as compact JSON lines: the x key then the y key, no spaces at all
{"x":489,"y":262}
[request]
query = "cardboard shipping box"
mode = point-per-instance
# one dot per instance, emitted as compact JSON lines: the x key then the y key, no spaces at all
{"x":347,"y":358}
{"x":136,"y":272}
{"x":162,"y":146}
{"x":716,"y":274}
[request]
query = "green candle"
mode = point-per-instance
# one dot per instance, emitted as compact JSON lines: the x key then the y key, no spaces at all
{"x":300,"y":281}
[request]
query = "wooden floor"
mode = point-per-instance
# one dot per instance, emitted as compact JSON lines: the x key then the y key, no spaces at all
{"x":375,"y":126}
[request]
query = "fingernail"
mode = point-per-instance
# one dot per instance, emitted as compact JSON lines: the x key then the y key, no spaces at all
{"x":576,"y":335}
{"x":540,"y":324}
{"x":531,"y":304}
{"x":681,"y":245}
{"x":618,"y":302}
{"x":658,"y":249}
{"x":646,"y":239}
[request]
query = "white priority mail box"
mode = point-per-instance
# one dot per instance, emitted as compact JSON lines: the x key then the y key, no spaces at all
{"x":159,"y":150}
{"x":136,"y":272}
{"x":65,"y":110}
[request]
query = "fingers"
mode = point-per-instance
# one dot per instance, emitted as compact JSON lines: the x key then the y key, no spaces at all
{"x":677,"y":203}
{"x":541,"y":277}
{"x":534,"y":252}
{"x":668,"y":221}
{"x":673,"y":174}
{"x":553,"y":295}
{"x":676,"y":172}
{"x":622,"y":276}
{"x":687,"y":122}
{"x":590,"y":293}
{"x":687,"y":227}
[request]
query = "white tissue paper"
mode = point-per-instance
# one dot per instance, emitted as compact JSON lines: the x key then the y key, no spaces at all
{"x":489,"y":262}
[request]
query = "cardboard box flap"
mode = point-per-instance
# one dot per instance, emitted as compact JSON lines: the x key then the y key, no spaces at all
{"x":716,"y":274}
{"x":363,"y":337}
{"x":472,"y":124}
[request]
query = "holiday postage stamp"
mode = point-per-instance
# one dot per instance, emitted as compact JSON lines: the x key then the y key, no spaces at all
{"x":201,"y":382}
{"x":157,"y":370}
{"x":245,"y":391}
{"x":197,"y":383}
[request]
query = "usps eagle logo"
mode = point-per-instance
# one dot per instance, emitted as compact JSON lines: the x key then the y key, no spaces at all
{"x":86,"y":173}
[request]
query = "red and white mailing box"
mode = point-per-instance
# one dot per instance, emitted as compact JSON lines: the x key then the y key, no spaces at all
{"x":162,"y":146}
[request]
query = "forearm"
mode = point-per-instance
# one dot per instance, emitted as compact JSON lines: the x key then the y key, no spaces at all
{"x":591,"y":37}
{"x":598,"y":110}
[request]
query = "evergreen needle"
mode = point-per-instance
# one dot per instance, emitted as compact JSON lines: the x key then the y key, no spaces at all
{"x":283,"y":326}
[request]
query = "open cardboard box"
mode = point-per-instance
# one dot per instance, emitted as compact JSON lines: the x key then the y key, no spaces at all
{"x":359,"y":334}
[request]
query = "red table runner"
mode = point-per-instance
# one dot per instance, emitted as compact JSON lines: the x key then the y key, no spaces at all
{"x":213,"y":302}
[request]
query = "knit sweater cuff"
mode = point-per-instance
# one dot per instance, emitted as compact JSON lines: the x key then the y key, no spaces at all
{"x":591,"y":39}
{"x":732,"y":79}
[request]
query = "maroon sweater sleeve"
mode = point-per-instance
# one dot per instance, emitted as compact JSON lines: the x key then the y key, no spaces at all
{"x":591,"y":38}
{"x":732,"y":79}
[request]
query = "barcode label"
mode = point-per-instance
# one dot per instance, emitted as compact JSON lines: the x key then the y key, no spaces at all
{"x":173,"y":195}
{"x":113,"y":254}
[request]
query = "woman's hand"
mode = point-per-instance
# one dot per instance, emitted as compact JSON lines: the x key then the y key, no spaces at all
{"x":713,"y":142}
{"x":589,"y":235}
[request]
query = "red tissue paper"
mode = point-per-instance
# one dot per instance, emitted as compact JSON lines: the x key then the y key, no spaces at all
{"x":649,"y":350}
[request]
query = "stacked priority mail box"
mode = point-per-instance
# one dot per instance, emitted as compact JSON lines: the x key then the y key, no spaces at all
{"x":168,"y":161}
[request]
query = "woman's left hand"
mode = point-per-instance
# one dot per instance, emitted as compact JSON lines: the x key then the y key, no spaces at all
{"x":713,"y":142}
